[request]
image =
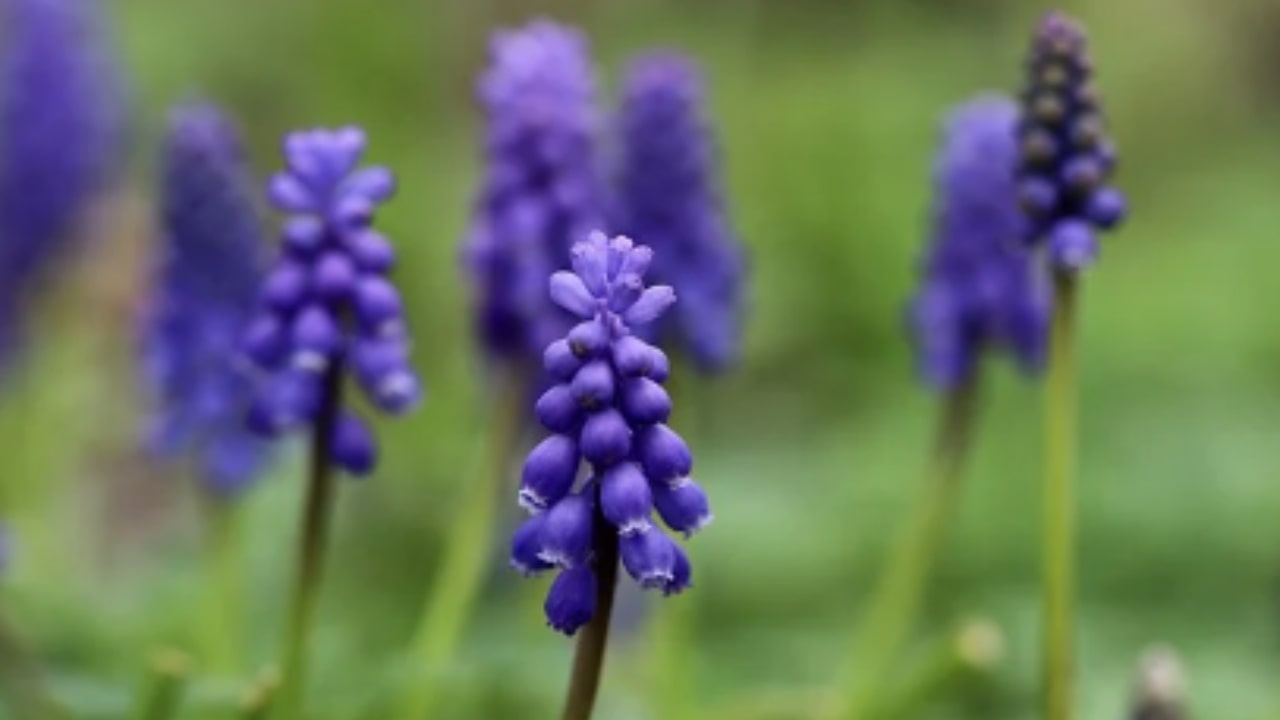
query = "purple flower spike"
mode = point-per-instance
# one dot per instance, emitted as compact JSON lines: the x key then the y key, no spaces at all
{"x":981,"y":286}
{"x":328,"y":305}
{"x":203,"y":291}
{"x":669,"y":194}
{"x":607,"y":409}
{"x":540,"y":192}
{"x":1066,"y":157}
{"x":61,"y":126}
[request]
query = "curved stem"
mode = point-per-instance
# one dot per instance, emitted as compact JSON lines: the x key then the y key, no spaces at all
{"x":1059,"y":504}
{"x":588,"y":660}
{"x":311,"y":551}
{"x":223,"y":627}
{"x":452,"y":595}
{"x":893,"y":607}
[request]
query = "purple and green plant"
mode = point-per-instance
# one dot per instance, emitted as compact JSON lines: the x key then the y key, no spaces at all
{"x":1064,"y":171}
{"x":208,"y":269}
{"x":326,"y":311}
{"x":606,"y":409}
{"x":540,"y":191}
{"x":982,"y":292}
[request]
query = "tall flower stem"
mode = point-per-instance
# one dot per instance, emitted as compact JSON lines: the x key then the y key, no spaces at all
{"x":317,"y":509}
{"x":164,"y":686}
{"x":452,"y":595}
{"x":588,"y":660}
{"x":893,"y":607}
{"x":1059,"y":504}
{"x":222,"y":621}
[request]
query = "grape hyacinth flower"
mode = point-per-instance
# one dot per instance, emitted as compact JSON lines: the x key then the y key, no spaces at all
{"x":981,"y":286}
{"x":327,"y":307}
{"x":669,"y":194}
{"x":541,"y":188}
{"x":206,"y":282}
{"x":1067,"y":158}
{"x":1066,"y":162}
{"x":608,"y":409}
{"x":61,"y":122}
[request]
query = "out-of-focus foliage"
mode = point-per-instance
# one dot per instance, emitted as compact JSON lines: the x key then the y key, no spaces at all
{"x":828,"y":113}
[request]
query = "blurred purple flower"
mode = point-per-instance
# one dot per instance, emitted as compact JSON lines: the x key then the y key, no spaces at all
{"x":609,"y":410}
{"x":328,"y":303}
{"x":669,"y":194}
{"x":61,"y":123}
{"x":209,"y":269}
{"x":981,"y":286}
{"x":541,"y":189}
{"x":1067,"y":158}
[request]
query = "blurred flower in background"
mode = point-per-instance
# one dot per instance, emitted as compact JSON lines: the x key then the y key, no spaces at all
{"x":981,"y":286}
{"x":669,"y":197}
{"x":61,"y":122}
{"x":541,"y":190}
{"x":209,"y":267}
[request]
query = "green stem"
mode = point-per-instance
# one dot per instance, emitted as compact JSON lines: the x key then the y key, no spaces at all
{"x":1059,"y":504}
{"x":312,"y":544}
{"x":895,"y":603}
{"x":588,"y":660}
{"x":258,"y":700}
{"x":163,"y":688}
{"x":972,"y":651}
{"x":453,"y":593}
{"x":223,"y":626}
{"x":21,"y":679}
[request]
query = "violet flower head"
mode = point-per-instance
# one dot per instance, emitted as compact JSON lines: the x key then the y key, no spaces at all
{"x":607,"y":409}
{"x":981,"y":286}
{"x":206,"y":280}
{"x":669,"y":194}
{"x":61,"y":122}
{"x":1066,"y":157}
{"x":541,"y":187}
{"x":327,"y":307}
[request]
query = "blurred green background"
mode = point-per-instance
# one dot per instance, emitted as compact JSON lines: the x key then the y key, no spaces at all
{"x":828,"y":112}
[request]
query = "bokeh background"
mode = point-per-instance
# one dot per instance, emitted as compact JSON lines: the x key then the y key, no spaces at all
{"x":828,"y":112}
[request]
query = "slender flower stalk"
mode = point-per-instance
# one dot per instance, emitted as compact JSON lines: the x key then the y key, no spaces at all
{"x":1066,"y":162}
{"x":981,"y":291}
{"x":326,"y":309}
{"x":205,"y":284}
{"x":164,"y":686}
{"x":609,"y":409}
{"x":60,"y":125}
{"x":540,"y":188}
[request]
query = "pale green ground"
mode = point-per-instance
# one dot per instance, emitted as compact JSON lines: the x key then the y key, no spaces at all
{"x":828,"y":112}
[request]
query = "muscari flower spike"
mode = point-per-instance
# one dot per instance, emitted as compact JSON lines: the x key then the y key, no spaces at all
{"x":981,"y":286}
{"x":608,"y":409}
{"x":61,"y":122}
{"x":328,"y":304}
{"x":669,"y":194}
{"x":1067,"y":158}
{"x":207,"y":277}
{"x":541,"y":186}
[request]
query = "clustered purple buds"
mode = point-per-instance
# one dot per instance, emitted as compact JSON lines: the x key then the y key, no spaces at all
{"x":328,"y":307}
{"x":61,"y":123}
{"x":541,"y":186}
{"x":669,"y":194}
{"x":1067,"y":158}
{"x":206,"y":280}
{"x":607,"y":407}
{"x":982,"y":287}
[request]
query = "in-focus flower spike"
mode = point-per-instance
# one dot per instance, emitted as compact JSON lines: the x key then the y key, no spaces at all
{"x":328,"y":303}
{"x":207,"y":276}
{"x":669,"y":194}
{"x":982,"y":287}
{"x":1066,"y":157}
{"x":608,"y":411}
{"x":541,"y":189}
{"x":62,"y":120}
